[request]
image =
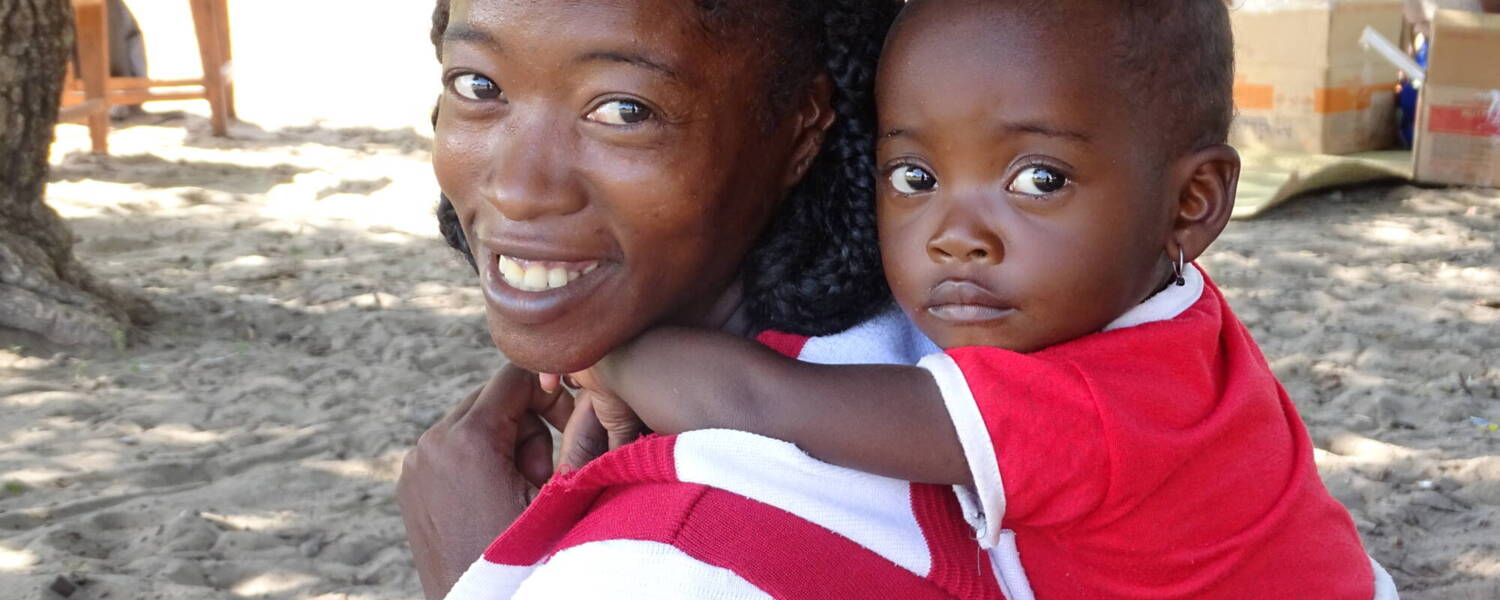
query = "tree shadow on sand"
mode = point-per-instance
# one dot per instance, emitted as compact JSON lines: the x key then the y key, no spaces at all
{"x":156,"y":172}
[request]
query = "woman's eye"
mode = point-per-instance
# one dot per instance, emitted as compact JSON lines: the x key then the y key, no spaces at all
{"x":909,"y":179}
{"x":1038,"y":181}
{"x":620,"y":112}
{"x":476,"y":87}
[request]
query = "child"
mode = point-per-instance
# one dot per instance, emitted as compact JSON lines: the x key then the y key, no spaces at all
{"x":1049,"y":171}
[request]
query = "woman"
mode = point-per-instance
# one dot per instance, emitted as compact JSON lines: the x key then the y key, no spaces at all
{"x":617,"y":164}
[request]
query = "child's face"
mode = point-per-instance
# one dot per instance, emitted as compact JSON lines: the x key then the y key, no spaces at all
{"x":1020,"y":206}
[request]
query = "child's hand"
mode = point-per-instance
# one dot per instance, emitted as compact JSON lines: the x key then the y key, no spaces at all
{"x":601,"y":421}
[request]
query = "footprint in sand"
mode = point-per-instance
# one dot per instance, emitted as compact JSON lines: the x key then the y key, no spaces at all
{"x":78,"y":540}
{"x":186,"y":533}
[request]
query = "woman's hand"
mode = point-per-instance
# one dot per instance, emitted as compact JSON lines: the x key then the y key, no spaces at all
{"x":474,"y":471}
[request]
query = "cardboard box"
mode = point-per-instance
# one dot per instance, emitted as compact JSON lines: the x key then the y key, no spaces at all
{"x":1304,"y":83}
{"x":1458,"y":117}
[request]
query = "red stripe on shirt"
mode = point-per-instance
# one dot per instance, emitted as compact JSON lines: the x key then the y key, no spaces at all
{"x":785,"y":343}
{"x":567,"y":498}
{"x":776,"y":551}
{"x":959,"y":565}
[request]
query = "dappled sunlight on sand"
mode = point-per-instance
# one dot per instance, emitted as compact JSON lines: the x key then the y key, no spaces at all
{"x":1379,"y":309}
{"x":16,"y":560}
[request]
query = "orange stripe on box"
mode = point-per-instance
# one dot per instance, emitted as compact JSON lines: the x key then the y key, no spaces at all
{"x":1249,"y":96}
{"x":1345,"y":99}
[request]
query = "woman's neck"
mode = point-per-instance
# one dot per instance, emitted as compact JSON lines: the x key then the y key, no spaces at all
{"x":726,"y":312}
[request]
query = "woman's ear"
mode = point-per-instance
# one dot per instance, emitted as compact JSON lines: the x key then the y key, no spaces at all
{"x":811,"y":120}
{"x":1205,"y":200}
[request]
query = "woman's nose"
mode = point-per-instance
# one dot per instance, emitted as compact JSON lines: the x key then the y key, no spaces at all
{"x":963,"y":237}
{"x":533,"y":172}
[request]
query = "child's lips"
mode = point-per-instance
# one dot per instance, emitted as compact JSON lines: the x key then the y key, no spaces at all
{"x":965,"y":301}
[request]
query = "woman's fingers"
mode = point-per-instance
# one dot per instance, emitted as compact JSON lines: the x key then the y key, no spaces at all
{"x":583,"y":438}
{"x":507,"y":396}
{"x":534,"y":450}
{"x":460,"y":409}
{"x":548,"y":381}
{"x":461,"y":486}
{"x":554,"y":407}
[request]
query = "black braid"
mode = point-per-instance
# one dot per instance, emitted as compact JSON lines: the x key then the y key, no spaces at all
{"x":817,"y":269}
{"x":448,"y":223}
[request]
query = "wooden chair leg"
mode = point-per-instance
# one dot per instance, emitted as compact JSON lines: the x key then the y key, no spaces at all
{"x":91,"y":22}
{"x":228,"y":55}
{"x":206,"y":22}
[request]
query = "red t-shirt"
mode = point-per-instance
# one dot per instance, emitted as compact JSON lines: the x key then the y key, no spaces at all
{"x":1161,"y":460}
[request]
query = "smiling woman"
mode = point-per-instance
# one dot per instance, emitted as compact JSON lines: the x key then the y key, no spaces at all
{"x":610,"y":165}
{"x":603,"y":180}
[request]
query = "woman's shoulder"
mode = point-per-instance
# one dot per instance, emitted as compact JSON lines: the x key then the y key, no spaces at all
{"x":889,"y":337}
{"x":665,"y":501}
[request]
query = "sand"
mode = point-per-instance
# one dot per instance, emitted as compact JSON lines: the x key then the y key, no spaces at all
{"x":314,"y":325}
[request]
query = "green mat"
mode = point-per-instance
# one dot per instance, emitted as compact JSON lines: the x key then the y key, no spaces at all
{"x":1271,"y":177}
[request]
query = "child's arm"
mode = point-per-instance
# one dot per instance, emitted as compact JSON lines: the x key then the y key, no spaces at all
{"x":884,"y":419}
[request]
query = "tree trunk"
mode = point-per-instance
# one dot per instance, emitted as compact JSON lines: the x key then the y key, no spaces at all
{"x":43,"y":288}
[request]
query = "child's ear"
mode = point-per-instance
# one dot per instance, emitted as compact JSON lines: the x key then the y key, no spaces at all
{"x":1205,"y":200}
{"x":813,"y":117}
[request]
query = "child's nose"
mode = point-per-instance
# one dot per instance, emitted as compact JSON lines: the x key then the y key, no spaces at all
{"x":962,"y":239}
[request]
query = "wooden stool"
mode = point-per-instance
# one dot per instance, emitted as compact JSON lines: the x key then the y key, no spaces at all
{"x":88,"y":94}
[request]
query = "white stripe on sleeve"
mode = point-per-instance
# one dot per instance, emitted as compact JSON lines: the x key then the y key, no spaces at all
{"x":979,"y":449}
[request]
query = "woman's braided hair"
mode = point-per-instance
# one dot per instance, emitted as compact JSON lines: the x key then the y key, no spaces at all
{"x":816,"y":270}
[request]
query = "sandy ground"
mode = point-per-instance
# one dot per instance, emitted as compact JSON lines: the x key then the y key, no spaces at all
{"x":313,"y":325}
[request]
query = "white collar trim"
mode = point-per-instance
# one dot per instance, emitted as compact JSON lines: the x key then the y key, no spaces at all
{"x":1166,"y":304}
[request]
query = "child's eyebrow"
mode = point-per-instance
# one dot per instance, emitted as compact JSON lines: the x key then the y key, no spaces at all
{"x":1036,"y":128}
{"x":461,"y":33}
{"x":1016,"y":128}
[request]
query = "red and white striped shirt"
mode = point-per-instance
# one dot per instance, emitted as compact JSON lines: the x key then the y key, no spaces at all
{"x":731,"y":515}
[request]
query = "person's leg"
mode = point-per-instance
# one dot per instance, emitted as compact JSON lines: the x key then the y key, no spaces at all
{"x":127,"y":46}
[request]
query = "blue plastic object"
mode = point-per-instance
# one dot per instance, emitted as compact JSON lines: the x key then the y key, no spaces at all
{"x":1406,"y":101}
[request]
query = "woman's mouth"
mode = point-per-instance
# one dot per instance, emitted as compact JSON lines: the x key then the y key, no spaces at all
{"x":540,"y":276}
{"x":533,"y":291}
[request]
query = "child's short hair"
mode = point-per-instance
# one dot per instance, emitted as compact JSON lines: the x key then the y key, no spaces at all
{"x":1177,"y":59}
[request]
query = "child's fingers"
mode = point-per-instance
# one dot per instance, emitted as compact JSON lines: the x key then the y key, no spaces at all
{"x":619,"y":421}
{"x":620,"y":437}
{"x":583,"y":439}
{"x":585,"y":379}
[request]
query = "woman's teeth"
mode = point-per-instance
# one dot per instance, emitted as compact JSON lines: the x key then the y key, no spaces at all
{"x":537,"y":277}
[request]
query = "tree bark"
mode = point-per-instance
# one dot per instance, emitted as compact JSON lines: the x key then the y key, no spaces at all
{"x":43,"y":287}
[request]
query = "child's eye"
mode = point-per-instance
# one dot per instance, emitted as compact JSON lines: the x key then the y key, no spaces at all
{"x":1038,"y":181}
{"x":476,"y":87}
{"x":620,"y":112}
{"x":911,"y":179}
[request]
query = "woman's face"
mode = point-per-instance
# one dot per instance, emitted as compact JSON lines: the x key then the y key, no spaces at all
{"x":607,"y":161}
